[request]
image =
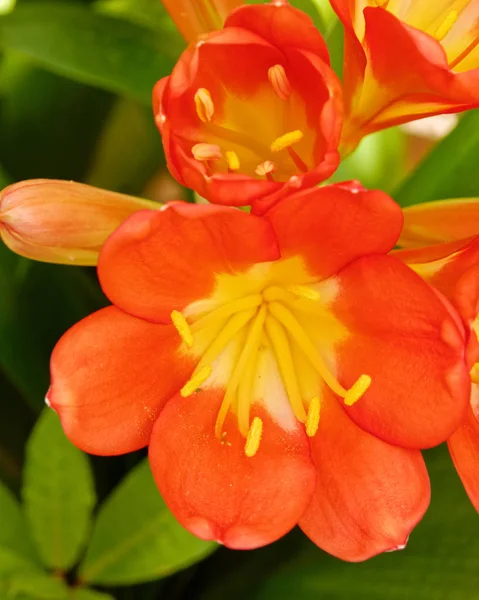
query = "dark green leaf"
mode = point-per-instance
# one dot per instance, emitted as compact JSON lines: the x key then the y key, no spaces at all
{"x":106,"y":52}
{"x":58,"y":493}
{"x":450,"y":169}
{"x":33,"y":586}
{"x":14,"y":535}
{"x":136,"y":538}
{"x":38,"y":302}
{"x":439,"y":562}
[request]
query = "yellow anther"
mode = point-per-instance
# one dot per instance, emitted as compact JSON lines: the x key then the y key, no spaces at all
{"x":254,"y":437}
{"x":286,"y":140}
{"x":475,"y":373}
{"x":196,"y":381}
{"x":312,"y":420}
{"x":446,"y":25}
{"x":182,"y":327}
{"x":205,"y":108}
{"x":265,"y":168}
{"x":280,"y":82}
{"x":204,"y":151}
{"x":304,"y":291}
{"x":381,"y":3}
{"x":357,"y":390}
{"x":232,"y":160}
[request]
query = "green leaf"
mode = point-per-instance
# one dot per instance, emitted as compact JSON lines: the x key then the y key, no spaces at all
{"x":378,"y":162}
{"x":148,"y":13}
{"x":14,"y":534}
{"x":58,"y":493}
{"x":33,"y":586}
{"x":439,"y":562}
{"x":13,"y":565}
{"x":106,"y":52}
{"x":38,"y":302}
{"x":449,"y":170}
{"x":136,"y":538}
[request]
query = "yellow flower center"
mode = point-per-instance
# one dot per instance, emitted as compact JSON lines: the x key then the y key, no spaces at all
{"x":475,"y":368}
{"x":274,"y":319}
{"x":246,"y":138}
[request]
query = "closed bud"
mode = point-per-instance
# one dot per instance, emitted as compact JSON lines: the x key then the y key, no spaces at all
{"x":62,"y":221}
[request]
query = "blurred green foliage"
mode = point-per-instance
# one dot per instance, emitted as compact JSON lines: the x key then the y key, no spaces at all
{"x":75,"y":90}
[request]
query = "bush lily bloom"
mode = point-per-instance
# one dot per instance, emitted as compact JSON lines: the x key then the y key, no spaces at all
{"x":196,"y":17}
{"x":253,"y":110}
{"x":62,"y":221}
{"x":453,"y":269}
{"x":281,"y":368}
{"x":405,"y":60}
{"x":439,"y":221}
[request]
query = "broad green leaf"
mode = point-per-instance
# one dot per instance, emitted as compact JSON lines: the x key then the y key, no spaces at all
{"x":33,"y":586}
{"x":116,"y":167}
{"x":378,"y":162}
{"x":14,"y":565}
{"x":38,"y":302}
{"x":58,"y":493}
{"x":439,"y":562}
{"x":106,"y":52}
{"x":14,"y":535}
{"x":136,"y":538}
{"x":148,"y":13}
{"x":449,"y":170}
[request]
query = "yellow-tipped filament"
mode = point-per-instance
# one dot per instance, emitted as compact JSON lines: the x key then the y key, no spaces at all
{"x":247,"y":134}
{"x":446,"y":26}
{"x":269,"y":326}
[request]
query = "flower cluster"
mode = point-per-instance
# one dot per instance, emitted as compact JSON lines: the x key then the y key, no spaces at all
{"x":284,"y":365}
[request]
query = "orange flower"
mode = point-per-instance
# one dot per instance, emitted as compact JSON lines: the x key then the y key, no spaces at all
{"x":282,"y":369}
{"x":407,"y":59}
{"x":194,"y":17}
{"x":439,"y":221}
{"x":62,"y":221}
{"x":252,"y":111}
{"x":453,"y":269}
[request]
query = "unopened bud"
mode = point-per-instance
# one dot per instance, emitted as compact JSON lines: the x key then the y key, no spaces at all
{"x":62,"y":221}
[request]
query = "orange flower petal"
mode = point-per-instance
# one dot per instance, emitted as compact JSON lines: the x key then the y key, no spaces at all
{"x":157,"y":262}
{"x":369,"y":495}
{"x":282,"y":25}
{"x":464,"y":449}
{"x":411,"y":344}
{"x":332,"y":225}
{"x":111,"y":376}
{"x":214,"y":489}
{"x":439,"y":222}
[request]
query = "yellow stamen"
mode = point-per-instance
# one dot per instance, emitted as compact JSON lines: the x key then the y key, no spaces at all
{"x":446,"y":25}
{"x":232,"y":327}
{"x":196,"y":381}
{"x":251,"y":344}
{"x":286,"y":318}
{"x":286,"y":140}
{"x":246,"y":389}
{"x":182,"y":327}
{"x":232,"y":160}
{"x":254,"y":437}
{"x":206,"y":152}
{"x":357,"y":390}
{"x":282,"y":351}
{"x":304,"y":291}
{"x":312,"y":420}
{"x":381,"y":3}
{"x":265,"y":168}
{"x":226,"y":310}
{"x":205,"y":108}
{"x":280,"y":82}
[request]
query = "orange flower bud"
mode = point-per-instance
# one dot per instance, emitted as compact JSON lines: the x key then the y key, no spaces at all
{"x":195,"y":17}
{"x":62,"y":221}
